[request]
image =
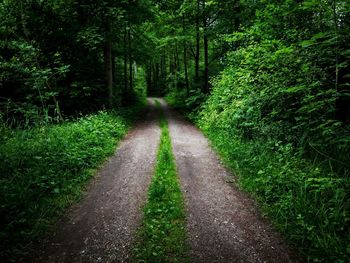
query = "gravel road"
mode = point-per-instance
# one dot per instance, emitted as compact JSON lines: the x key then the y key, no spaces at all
{"x":223,"y":224}
{"x":102,"y":226}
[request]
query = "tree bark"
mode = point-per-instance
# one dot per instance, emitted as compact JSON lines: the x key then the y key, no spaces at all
{"x":114,"y":70}
{"x":185,"y":60}
{"x":125,"y":65}
{"x":206,"y":52}
{"x":197,"y":42}
{"x":108,"y":62}
{"x":109,"y":71}
{"x":177,"y":57}
{"x":130,"y":59}
{"x":150,"y":78}
{"x":237,"y":20}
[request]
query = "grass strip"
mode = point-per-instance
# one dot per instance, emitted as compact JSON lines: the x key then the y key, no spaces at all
{"x":44,"y":170}
{"x":162,"y":236}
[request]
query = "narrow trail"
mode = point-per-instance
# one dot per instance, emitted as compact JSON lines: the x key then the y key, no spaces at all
{"x":223,"y":224}
{"x":101,"y":228}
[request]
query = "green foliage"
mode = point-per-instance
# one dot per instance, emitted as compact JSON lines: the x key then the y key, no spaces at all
{"x":31,"y":83}
{"x":54,"y":59}
{"x":277,"y":115}
{"x":43,"y":170}
{"x":280,"y":94}
{"x":141,"y":85}
{"x":162,"y":237}
{"x":267,"y":92}
{"x":308,"y":204}
{"x":279,"y":112}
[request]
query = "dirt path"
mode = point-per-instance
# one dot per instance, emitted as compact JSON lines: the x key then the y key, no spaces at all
{"x":223,"y":224}
{"x":102,"y":226}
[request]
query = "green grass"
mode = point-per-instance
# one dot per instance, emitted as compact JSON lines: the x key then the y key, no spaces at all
{"x":44,"y":170}
{"x":309,"y":205}
{"x":162,"y":236}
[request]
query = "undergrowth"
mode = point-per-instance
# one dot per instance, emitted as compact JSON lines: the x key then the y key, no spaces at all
{"x":162,"y":236}
{"x":310,"y":206}
{"x":44,"y":170}
{"x":272,"y":118}
{"x":305,"y":199}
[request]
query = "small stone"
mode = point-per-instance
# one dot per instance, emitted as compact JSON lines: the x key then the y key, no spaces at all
{"x":230,"y":180}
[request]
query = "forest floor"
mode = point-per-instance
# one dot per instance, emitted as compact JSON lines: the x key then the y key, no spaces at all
{"x":223,"y":223}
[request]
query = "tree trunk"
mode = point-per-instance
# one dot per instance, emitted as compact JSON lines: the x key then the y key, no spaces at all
{"x":114,"y":71}
{"x":125,"y":65}
{"x":206,"y":52}
{"x":109,"y":71}
{"x":237,"y":20}
{"x":155,"y":78}
{"x":150,"y":78}
{"x":177,"y":57}
{"x":185,"y":60}
{"x":163,"y":66}
{"x":130,"y":59}
{"x":197,"y":42}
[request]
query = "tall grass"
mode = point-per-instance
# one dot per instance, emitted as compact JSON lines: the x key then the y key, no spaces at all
{"x":310,"y":205}
{"x":306,"y":196}
{"x":43,"y":170}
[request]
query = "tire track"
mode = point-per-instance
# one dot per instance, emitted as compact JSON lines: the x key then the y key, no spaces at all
{"x":101,"y":228}
{"x":223,"y":224}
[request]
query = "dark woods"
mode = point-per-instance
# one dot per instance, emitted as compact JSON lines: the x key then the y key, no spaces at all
{"x":268,"y":81}
{"x":59,"y":58}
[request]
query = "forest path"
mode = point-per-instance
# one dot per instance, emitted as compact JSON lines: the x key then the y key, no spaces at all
{"x":223,"y":224}
{"x":101,"y":228}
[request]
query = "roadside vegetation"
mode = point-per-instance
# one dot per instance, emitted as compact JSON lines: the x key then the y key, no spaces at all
{"x":44,"y":170}
{"x":268,"y":81}
{"x":306,"y":201}
{"x":162,"y":236}
{"x":277,"y":111}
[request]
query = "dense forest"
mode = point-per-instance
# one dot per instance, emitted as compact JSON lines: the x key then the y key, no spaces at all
{"x":267,"y":81}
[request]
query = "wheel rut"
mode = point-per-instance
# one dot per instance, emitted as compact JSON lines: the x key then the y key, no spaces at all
{"x":101,"y":228}
{"x":223,"y":223}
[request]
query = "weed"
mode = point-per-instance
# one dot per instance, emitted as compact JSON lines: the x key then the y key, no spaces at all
{"x":308,"y":204}
{"x":43,"y":170}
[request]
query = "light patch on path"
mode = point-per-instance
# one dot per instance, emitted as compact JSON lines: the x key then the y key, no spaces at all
{"x":101,"y":228}
{"x":223,"y":224}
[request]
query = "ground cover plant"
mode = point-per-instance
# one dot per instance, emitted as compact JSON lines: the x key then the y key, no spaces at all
{"x":308,"y":204}
{"x":44,"y":170}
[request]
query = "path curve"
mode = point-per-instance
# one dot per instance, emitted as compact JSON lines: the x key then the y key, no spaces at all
{"x":101,"y":228}
{"x":223,"y":224}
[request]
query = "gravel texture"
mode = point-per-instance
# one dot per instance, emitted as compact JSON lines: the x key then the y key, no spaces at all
{"x":223,"y":223}
{"x":101,"y":228}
